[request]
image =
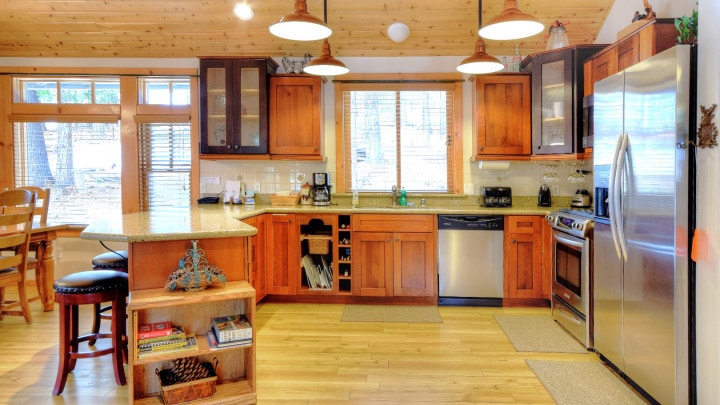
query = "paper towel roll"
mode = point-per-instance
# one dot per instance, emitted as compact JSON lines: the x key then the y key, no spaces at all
{"x":494,"y":164}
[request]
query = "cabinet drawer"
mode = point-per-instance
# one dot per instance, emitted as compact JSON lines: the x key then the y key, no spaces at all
{"x":523,"y":224}
{"x":393,"y":223}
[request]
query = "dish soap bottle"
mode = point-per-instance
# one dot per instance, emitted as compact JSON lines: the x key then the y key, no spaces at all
{"x":403,"y":197}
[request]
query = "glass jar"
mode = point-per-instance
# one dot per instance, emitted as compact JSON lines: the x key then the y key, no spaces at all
{"x":558,"y":38}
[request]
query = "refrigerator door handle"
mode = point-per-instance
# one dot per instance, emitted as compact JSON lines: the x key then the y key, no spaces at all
{"x":612,"y":205}
{"x":620,"y":171}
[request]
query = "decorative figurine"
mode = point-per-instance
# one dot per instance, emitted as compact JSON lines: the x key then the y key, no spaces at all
{"x":194,"y":273}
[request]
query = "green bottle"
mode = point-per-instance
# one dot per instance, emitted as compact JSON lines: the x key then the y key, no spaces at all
{"x":403,"y":197}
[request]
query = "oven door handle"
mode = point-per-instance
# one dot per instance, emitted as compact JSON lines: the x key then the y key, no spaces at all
{"x":572,"y":242}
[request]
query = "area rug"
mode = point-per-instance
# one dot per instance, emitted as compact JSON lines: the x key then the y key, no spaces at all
{"x":575,"y":383}
{"x":391,"y":313}
{"x":532,"y":333}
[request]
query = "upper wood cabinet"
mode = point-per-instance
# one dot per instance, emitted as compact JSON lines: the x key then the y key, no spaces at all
{"x":501,"y":108}
{"x":557,"y":98}
{"x":234,"y":105}
{"x":295,"y":104}
{"x":649,"y":39}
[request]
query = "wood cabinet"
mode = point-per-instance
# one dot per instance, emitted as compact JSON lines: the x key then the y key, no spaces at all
{"x":295,"y":105}
{"x":194,"y":311}
{"x":501,"y":108}
{"x":557,"y":98}
{"x":650,"y":38}
{"x":282,"y":257}
{"x":522,"y":262}
{"x":317,"y":267}
{"x":394,"y":255}
{"x":234,"y":105}
{"x":256,"y":256}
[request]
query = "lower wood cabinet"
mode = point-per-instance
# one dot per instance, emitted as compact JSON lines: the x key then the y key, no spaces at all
{"x":523,"y":259}
{"x":256,"y":256}
{"x":281,"y":254}
{"x":399,"y":264}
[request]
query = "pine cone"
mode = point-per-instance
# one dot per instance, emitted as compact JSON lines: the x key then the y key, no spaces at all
{"x":189,"y":369}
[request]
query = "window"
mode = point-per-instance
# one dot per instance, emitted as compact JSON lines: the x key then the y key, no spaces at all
{"x":67,"y":137}
{"x":401,"y":134}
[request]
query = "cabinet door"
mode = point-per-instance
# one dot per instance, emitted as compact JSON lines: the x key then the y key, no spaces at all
{"x":372,"y":264}
{"x":295,"y":115}
{"x":256,"y":256}
{"x":552,"y":82}
{"x":282,"y":256}
{"x":602,"y":66}
{"x":523,"y":258}
{"x":216,"y":106}
{"x":499,"y":128}
{"x":414,"y":264}
{"x":628,"y":52}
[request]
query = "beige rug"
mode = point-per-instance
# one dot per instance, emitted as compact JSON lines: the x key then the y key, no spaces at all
{"x":532,"y":333}
{"x":580,"y":383}
{"x":391,"y":313}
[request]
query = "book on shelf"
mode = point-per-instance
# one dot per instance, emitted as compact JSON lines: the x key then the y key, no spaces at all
{"x":153,"y":330}
{"x":163,"y":344}
{"x":231,"y":327}
{"x":213,"y":343}
{"x":190,"y":344}
{"x":177,"y":333}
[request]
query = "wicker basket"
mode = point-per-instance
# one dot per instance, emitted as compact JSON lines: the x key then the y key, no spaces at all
{"x":318,"y":244}
{"x":181,"y":393}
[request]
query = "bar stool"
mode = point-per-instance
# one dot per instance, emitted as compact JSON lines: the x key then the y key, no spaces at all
{"x":90,"y":287}
{"x":107,"y":261}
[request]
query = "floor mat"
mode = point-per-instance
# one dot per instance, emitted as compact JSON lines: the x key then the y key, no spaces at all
{"x":532,"y":333}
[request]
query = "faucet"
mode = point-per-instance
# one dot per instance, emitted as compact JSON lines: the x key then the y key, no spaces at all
{"x":394,"y":196}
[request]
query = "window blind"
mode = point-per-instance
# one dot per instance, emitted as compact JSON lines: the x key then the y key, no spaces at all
{"x":164,"y":161}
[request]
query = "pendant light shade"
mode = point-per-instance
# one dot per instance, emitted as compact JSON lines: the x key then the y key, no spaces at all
{"x":325,"y":64}
{"x":511,"y":23}
{"x":480,"y":62}
{"x":300,"y":25}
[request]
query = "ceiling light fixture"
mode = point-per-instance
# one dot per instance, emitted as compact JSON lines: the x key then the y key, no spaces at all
{"x":511,"y":23}
{"x":398,"y":32}
{"x":480,"y":62}
{"x":325,"y":64}
{"x":243,"y":11}
{"x":300,"y":25}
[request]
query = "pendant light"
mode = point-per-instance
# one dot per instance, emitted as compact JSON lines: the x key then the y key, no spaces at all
{"x":480,"y":62}
{"x":300,"y":25}
{"x":325,"y":64}
{"x":511,"y":23}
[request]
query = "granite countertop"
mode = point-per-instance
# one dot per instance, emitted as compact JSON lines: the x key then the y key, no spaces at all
{"x":221,"y":221}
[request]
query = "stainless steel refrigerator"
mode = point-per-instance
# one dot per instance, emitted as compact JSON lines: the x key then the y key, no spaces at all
{"x":641,"y":172}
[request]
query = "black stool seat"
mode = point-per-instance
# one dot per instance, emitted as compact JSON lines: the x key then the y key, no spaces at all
{"x":86,"y":282}
{"x":91,"y":287}
{"x":111,"y":260}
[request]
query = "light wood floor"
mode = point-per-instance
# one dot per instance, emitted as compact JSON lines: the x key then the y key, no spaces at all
{"x":306,"y":355}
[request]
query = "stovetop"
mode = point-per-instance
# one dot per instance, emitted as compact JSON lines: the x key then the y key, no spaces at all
{"x":581,"y":212}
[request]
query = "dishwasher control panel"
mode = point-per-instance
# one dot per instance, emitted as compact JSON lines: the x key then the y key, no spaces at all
{"x":471,"y":222}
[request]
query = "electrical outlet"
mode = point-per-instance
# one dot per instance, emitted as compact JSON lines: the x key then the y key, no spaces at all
{"x":555,"y":190}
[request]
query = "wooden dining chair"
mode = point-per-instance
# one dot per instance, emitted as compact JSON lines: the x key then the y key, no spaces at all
{"x":42,"y":202}
{"x":16,"y":216}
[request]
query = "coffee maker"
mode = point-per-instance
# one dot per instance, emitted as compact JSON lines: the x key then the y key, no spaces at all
{"x":321,"y":189}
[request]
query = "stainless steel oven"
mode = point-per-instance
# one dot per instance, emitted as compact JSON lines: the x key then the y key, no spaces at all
{"x":572,"y":272}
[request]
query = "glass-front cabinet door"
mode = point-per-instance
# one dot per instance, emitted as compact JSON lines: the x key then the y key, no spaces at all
{"x":233,"y":105}
{"x":557,"y":94}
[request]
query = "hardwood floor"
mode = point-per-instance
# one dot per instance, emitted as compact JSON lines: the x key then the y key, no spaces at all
{"x":306,"y":355}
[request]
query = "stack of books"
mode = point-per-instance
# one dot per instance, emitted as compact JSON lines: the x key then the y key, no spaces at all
{"x":162,"y":338}
{"x":229,"y":331}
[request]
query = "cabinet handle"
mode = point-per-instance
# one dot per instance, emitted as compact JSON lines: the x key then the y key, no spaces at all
{"x":514,"y":241}
{"x":482,"y":148}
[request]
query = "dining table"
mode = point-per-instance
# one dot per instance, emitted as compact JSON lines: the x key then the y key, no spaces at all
{"x":44,"y":234}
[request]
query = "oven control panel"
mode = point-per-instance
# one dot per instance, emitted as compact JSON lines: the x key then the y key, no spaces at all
{"x":569,"y":223}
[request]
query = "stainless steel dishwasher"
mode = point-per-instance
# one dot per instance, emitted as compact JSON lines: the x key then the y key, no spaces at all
{"x":470,"y":260}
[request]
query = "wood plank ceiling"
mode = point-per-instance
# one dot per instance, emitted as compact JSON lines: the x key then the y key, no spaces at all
{"x":191,"y":28}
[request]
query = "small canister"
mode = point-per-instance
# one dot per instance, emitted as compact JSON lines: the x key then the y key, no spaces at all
{"x":305,"y":197}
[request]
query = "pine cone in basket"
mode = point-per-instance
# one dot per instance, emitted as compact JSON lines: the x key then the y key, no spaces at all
{"x":188,"y":369}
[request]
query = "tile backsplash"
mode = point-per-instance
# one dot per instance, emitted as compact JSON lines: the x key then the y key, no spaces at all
{"x":525,"y":178}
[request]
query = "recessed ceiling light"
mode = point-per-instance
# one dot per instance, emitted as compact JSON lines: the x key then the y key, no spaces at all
{"x":243,"y":11}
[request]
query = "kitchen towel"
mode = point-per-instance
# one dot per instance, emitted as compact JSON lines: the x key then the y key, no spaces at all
{"x":533,"y":333}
